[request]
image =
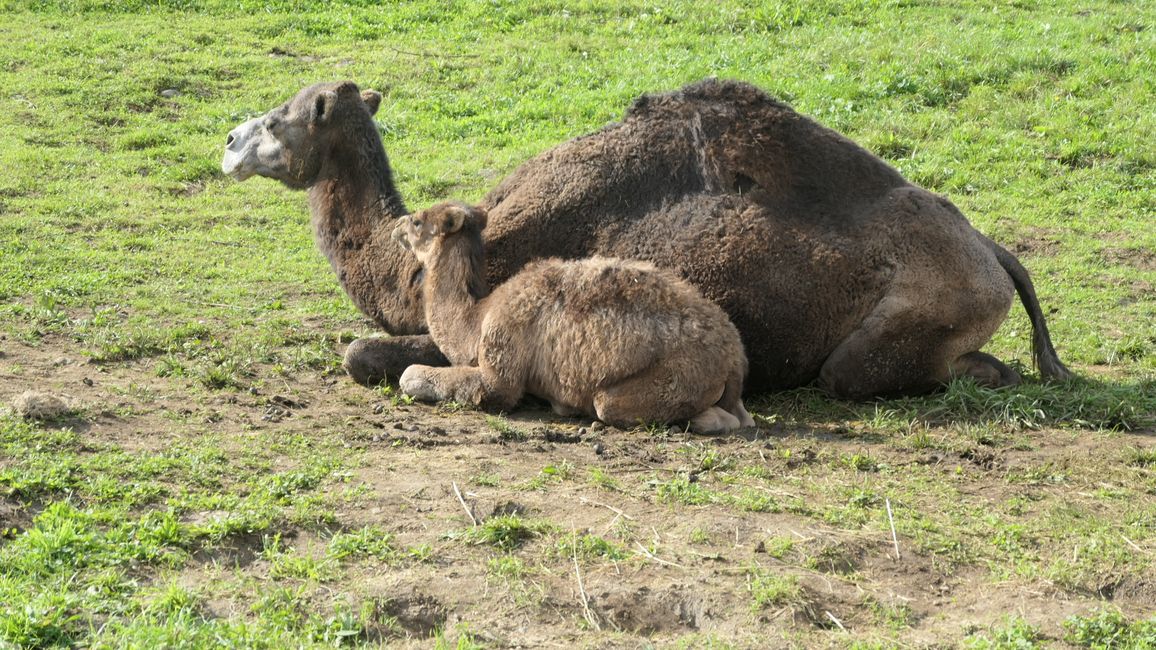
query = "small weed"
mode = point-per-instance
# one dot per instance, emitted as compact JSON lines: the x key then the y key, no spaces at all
{"x":464,"y":640}
{"x":779,"y":547}
{"x":504,"y":429}
{"x":860,"y":462}
{"x":450,"y":406}
{"x":552,"y":473}
{"x":1109,"y":629}
{"x":175,"y":599}
{"x":507,"y":567}
{"x":282,"y":605}
{"x":681,"y":490}
{"x":770,"y":590}
{"x":422,"y":553}
{"x":600,"y":478}
{"x":753,"y":500}
{"x":506,"y":532}
{"x":301,"y":567}
{"x":589,"y":547}
{"x":699,"y":536}
{"x":892,"y":616}
{"x":486,"y":480}
{"x":1016,"y":634}
{"x":711,"y":460}
{"x":1142,"y":457}
{"x":369,"y":541}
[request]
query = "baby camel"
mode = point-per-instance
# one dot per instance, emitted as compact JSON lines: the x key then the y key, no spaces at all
{"x":623,"y":341}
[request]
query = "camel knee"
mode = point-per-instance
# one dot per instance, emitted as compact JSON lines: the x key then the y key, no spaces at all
{"x":361,"y":364}
{"x":615,"y":411}
{"x":374,"y":359}
{"x":841,"y":380}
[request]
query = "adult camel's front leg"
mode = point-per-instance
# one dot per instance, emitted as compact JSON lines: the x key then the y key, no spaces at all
{"x":374,"y":359}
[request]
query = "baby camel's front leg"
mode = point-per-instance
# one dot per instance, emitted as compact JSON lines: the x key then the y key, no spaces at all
{"x":463,"y":384}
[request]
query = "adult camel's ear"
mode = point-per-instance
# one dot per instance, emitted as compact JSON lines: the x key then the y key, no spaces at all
{"x":451,"y":220}
{"x":372,"y":100}
{"x":323,"y":105}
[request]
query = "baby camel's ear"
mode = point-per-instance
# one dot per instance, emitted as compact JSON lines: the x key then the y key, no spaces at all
{"x":398,"y":235}
{"x":450,"y":219}
{"x":372,"y":100}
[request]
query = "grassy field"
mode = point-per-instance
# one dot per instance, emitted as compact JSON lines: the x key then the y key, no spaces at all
{"x":217,"y":480}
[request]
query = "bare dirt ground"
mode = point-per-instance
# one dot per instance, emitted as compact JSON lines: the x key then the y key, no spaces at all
{"x":686,"y":571}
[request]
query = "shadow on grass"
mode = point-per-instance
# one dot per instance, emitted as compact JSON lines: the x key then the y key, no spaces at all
{"x":1080,"y":403}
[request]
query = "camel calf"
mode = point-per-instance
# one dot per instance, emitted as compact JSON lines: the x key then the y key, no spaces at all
{"x":623,"y":341}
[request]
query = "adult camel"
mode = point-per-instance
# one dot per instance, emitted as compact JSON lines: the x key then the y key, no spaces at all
{"x":833,"y":267}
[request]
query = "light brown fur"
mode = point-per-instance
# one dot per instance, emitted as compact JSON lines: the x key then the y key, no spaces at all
{"x":623,"y":341}
{"x":833,"y":267}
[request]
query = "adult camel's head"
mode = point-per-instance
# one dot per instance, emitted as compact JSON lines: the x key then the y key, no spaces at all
{"x":292,"y":142}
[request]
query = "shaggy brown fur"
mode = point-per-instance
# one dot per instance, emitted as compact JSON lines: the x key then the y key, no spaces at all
{"x":831,"y":265}
{"x":622,"y":341}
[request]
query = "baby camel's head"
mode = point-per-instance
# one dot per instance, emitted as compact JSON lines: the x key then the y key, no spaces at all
{"x":424,"y":232}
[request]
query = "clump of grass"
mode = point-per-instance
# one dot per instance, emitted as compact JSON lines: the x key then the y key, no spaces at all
{"x":1014,"y":634}
{"x":485,"y":479}
{"x":507,"y":532}
{"x":772,"y":590}
{"x":860,"y":462}
{"x":681,"y":490}
{"x":1142,"y":457}
{"x":778,"y":547}
{"x":366,"y":542}
{"x":507,"y":567}
{"x":892,"y":616}
{"x":174,"y":599}
{"x":600,"y":478}
{"x":589,"y":547}
{"x":1108,"y":628}
{"x":1081,"y":403}
{"x":552,"y":473}
{"x":504,"y":429}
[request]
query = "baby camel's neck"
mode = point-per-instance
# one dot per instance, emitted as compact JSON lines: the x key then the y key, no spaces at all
{"x":454,"y":291}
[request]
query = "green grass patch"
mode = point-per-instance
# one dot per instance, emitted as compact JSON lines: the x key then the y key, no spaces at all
{"x":122,"y":245}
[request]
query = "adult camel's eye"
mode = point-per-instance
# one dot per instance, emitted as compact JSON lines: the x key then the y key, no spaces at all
{"x":417,"y":223}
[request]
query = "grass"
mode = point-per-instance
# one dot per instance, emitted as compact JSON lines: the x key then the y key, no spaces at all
{"x":168,"y":512}
{"x":770,"y":590}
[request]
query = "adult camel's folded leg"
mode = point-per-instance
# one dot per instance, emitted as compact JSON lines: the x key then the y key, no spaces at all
{"x":374,"y":359}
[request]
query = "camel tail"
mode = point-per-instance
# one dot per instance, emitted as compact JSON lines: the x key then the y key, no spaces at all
{"x":1043,"y":353}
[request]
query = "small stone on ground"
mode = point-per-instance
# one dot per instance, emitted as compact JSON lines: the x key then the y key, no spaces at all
{"x":40,"y":406}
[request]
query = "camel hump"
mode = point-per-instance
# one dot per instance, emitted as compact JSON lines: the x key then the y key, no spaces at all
{"x":736,"y":95}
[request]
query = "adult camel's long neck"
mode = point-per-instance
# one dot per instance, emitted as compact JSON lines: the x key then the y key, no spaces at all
{"x":455,"y":297}
{"x":353,"y":203}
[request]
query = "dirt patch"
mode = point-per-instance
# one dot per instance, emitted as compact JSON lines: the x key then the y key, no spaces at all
{"x":1038,"y":243}
{"x":685,"y":520}
{"x":646,"y":610}
{"x":14,"y":518}
{"x":419,"y":615}
{"x":1142,"y":259}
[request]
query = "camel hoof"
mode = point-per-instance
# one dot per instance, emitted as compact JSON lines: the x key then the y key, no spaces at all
{"x":414,"y":383}
{"x":744,"y":417}
{"x":713,"y":420}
